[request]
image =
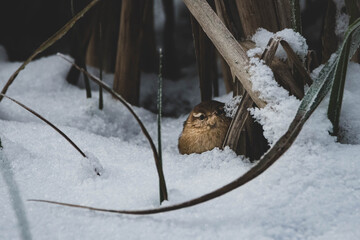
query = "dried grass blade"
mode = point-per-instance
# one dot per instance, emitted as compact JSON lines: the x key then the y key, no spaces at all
{"x":297,"y":63}
{"x":350,"y":46}
{"x":47,"y":122}
{"x":269,"y":52}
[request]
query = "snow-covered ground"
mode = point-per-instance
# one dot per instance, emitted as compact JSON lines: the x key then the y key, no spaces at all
{"x":311,"y":192}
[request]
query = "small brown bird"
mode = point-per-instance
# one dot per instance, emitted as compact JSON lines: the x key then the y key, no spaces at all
{"x":204,"y":129}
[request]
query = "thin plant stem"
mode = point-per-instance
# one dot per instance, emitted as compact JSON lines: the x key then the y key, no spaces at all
{"x":101,"y":99}
{"x":159,"y":105}
{"x":295,"y":16}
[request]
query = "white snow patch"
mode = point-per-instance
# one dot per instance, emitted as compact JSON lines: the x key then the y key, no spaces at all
{"x":295,"y":40}
{"x":231,"y":106}
{"x":91,"y":166}
{"x":263,"y":81}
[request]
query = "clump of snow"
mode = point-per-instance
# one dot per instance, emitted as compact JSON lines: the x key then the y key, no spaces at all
{"x":231,"y":106}
{"x":295,"y":40}
{"x":91,"y":166}
{"x":262,"y":37}
{"x":275,"y":118}
{"x":254,"y":52}
{"x":264,"y":82}
{"x":281,"y":107}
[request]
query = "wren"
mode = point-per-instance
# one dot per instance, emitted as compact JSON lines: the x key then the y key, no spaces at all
{"x":204,"y":129}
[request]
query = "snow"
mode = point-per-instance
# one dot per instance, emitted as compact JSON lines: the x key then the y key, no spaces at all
{"x":311,"y":192}
{"x":231,"y":106}
{"x":295,"y":40}
{"x":281,"y":108}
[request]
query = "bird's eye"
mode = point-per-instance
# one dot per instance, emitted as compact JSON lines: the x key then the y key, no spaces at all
{"x":201,"y":116}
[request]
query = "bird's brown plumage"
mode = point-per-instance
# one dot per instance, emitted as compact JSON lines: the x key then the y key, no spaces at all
{"x":204,"y":129}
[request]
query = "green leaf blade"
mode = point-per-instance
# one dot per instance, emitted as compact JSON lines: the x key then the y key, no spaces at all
{"x":350,"y":45}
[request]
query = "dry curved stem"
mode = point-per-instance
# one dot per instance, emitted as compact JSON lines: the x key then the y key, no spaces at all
{"x":58,"y":35}
{"x":127,"y":105}
{"x":47,"y":122}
